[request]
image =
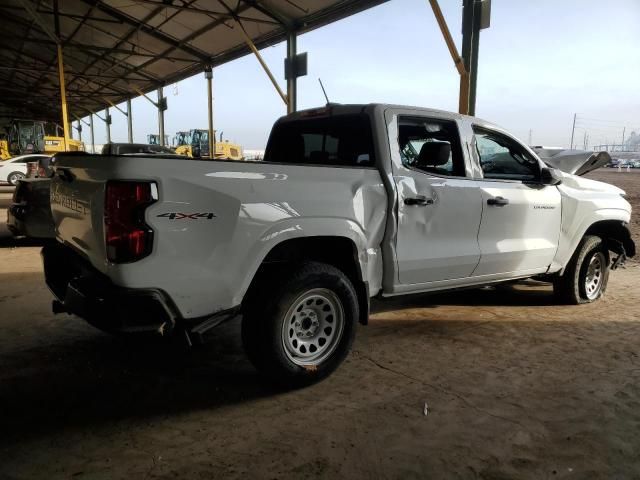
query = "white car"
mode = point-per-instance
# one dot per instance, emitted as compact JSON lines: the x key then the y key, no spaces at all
{"x":15,"y":168}
{"x":349,"y":202}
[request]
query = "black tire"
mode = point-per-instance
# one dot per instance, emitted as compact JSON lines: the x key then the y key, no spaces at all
{"x":13,"y":178}
{"x":571,"y":288}
{"x":271,"y":305}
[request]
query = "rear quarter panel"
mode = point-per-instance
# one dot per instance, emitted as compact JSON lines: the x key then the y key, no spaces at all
{"x":215,"y":222}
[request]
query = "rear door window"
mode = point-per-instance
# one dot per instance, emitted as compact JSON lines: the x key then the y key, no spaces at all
{"x":431,"y":145}
{"x":343,"y":140}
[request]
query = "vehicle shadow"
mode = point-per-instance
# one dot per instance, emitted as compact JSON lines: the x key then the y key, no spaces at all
{"x":9,"y":241}
{"x":93,"y":378}
{"x":59,"y":373}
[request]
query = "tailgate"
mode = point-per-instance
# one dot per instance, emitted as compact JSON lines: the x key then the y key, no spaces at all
{"x":77,"y":205}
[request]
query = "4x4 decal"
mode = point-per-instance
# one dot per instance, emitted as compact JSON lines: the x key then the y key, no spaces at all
{"x":187,"y":216}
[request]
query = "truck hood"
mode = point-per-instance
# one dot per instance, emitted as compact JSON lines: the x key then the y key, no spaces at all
{"x":575,"y":162}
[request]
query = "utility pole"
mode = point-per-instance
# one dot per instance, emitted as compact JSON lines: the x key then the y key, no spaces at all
{"x":530,"y":142}
{"x":624,"y":130}
{"x":584,"y":141}
{"x":573,"y":130}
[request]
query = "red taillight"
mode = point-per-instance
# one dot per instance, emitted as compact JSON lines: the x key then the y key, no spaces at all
{"x":128,"y":238}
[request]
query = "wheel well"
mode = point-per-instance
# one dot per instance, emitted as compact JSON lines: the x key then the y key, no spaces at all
{"x":615,"y":234}
{"x":340,"y":252}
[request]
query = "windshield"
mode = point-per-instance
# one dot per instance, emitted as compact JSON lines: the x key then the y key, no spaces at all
{"x":183,"y":138}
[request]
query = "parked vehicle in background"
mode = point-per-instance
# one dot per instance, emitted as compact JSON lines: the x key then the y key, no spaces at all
{"x":349,"y":202}
{"x":15,"y":168}
{"x":30,"y":211}
{"x":29,"y":214}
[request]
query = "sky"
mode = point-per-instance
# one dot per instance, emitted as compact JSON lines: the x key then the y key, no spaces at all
{"x":540,"y":63}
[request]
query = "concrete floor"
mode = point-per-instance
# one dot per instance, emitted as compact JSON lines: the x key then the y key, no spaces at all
{"x":516,"y":387}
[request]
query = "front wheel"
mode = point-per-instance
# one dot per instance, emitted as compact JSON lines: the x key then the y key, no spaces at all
{"x":14,"y":177}
{"x":587,"y":275}
{"x":301,"y":329}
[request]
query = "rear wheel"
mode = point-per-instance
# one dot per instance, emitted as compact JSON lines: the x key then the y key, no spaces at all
{"x":14,"y":177}
{"x":585,"y":278}
{"x":301,"y":325}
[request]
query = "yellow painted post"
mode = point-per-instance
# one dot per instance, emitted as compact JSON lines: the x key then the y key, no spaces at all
{"x":63,"y":99}
{"x":463,"y":105}
{"x":255,"y":51}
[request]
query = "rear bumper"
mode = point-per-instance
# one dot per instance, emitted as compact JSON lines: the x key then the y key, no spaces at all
{"x":83,"y":291}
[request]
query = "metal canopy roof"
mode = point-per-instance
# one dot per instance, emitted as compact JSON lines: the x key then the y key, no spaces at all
{"x":112,"y":47}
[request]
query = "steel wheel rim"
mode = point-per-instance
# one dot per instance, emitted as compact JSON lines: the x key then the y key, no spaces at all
{"x":13,"y":178}
{"x":313,"y":327}
{"x":594,"y":277}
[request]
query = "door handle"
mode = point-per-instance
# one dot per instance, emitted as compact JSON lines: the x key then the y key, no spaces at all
{"x":498,"y":201}
{"x":419,"y":201}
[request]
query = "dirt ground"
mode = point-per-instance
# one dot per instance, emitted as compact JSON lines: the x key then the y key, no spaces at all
{"x":515,"y":387}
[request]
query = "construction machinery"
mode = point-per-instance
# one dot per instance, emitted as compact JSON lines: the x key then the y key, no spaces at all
{"x":32,"y":136}
{"x":4,"y":148}
{"x":154,"y":139}
{"x":195,"y":143}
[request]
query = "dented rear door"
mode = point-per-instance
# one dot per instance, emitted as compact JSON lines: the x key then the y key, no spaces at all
{"x":438,"y":214}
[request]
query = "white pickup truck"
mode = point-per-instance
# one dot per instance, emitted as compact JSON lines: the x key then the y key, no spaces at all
{"x":350,"y":202}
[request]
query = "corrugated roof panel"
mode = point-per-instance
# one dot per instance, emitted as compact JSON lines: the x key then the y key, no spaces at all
{"x":112,"y":46}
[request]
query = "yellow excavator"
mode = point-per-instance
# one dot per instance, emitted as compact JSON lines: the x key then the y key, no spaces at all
{"x":4,"y":148}
{"x":195,"y":143}
{"x":31,"y":136}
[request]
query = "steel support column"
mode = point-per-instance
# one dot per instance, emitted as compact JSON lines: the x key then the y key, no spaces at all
{"x":208,"y":73}
{"x":160,"y":116}
{"x":129,"y":122}
{"x":472,"y":23}
{"x":292,"y":81}
{"x":467,"y":38}
{"x":473,"y":68}
{"x":107,"y":118}
{"x":93,"y":140}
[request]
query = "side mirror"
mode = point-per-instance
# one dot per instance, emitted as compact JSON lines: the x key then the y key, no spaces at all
{"x":550,"y":176}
